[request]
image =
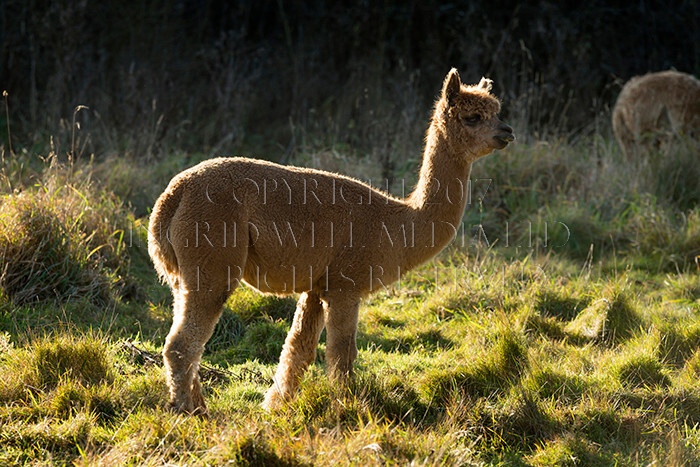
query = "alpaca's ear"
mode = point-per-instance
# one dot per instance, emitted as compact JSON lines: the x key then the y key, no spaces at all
{"x":452,"y":85}
{"x":486,"y":84}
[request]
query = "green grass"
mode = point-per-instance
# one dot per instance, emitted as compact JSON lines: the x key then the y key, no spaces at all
{"x":542,"y":347}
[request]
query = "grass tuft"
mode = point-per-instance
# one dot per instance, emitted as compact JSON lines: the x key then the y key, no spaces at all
{"x":493,"y":374}
{"x":263,"y":341}
{"x":676,"y":345}
{"x":255,"y":449}
{"x":522,"y":422}
{"x":86,"y":360}
{"x":569,"y":451}
{"x":62,"y":242}
{"x":610,"y":319}
{"x":693,"y":364}
{"x":83,"y":360}
{"x":666,"y":239}
{"x":72,"y":397}
{"x":389,"y":395}
{"x":637,"y":371}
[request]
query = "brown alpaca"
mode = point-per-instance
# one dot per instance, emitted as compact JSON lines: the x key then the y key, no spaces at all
{"x":655,"y":103}
{"x":329,"y":237}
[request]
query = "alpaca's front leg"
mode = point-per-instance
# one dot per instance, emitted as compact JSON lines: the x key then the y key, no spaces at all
{"x":299,"y":350}
{"x":341,"y":334}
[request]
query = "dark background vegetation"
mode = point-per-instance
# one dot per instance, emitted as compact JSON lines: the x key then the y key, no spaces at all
{"x":269,"y":76}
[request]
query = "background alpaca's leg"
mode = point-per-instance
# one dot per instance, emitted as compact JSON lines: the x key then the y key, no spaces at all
{"x":299,"y":349}
{"x":195,"y":316}
{"x":341,"y":334}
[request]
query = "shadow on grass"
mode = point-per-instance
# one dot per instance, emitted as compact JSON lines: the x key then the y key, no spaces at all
{"x":255,"y":449}
{"x":559,"y":306}
{"x":493,"y":374}
{"x":431,"y":340}
{"x":521,"y":423}
{"x":550,"y":384}
{"x":683,"y":406}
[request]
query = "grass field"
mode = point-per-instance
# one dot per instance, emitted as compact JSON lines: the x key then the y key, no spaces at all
{"x":561,"y":327}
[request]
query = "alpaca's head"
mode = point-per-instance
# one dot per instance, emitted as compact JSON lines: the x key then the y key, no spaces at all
{"x":468,"y":116}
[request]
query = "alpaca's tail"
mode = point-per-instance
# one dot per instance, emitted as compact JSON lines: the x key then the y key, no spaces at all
{"x":159,"y":244}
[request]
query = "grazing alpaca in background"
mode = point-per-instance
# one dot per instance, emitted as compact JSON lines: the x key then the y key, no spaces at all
{"x":651,"y":106}
{"x":329,"y":237}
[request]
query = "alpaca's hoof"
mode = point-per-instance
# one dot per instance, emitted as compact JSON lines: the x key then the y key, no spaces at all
{"x":200,"y":412}
{"x":182,"y":409}
{"x":176,"y":408}
{"x":273,"y":400}
{"x":199,"y":407}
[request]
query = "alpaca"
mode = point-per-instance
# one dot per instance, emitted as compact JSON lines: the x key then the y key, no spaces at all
{"x":331,"y":238}
{"x":655,"y":103}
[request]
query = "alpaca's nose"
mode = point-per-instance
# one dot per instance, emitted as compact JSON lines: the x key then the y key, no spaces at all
{"x":506,"y":132}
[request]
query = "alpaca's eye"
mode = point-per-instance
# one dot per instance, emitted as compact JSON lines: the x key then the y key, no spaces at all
{"x":472,"y":119}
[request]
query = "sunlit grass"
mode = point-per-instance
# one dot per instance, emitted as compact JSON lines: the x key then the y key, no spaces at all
{"x":538,"y":346}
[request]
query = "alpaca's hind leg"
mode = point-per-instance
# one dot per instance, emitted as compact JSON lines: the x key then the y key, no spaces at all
{"x":299,"y":350}
{"x":341,"y":334}
{"x":196,"y":314}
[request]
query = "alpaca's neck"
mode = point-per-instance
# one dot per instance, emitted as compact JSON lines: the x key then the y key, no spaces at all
{"x":440,"y":175}
{"x":440,"y":197}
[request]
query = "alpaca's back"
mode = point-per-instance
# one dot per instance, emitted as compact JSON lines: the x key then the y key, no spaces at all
{"x":297,"y":226}
{"x":656,"y":103}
